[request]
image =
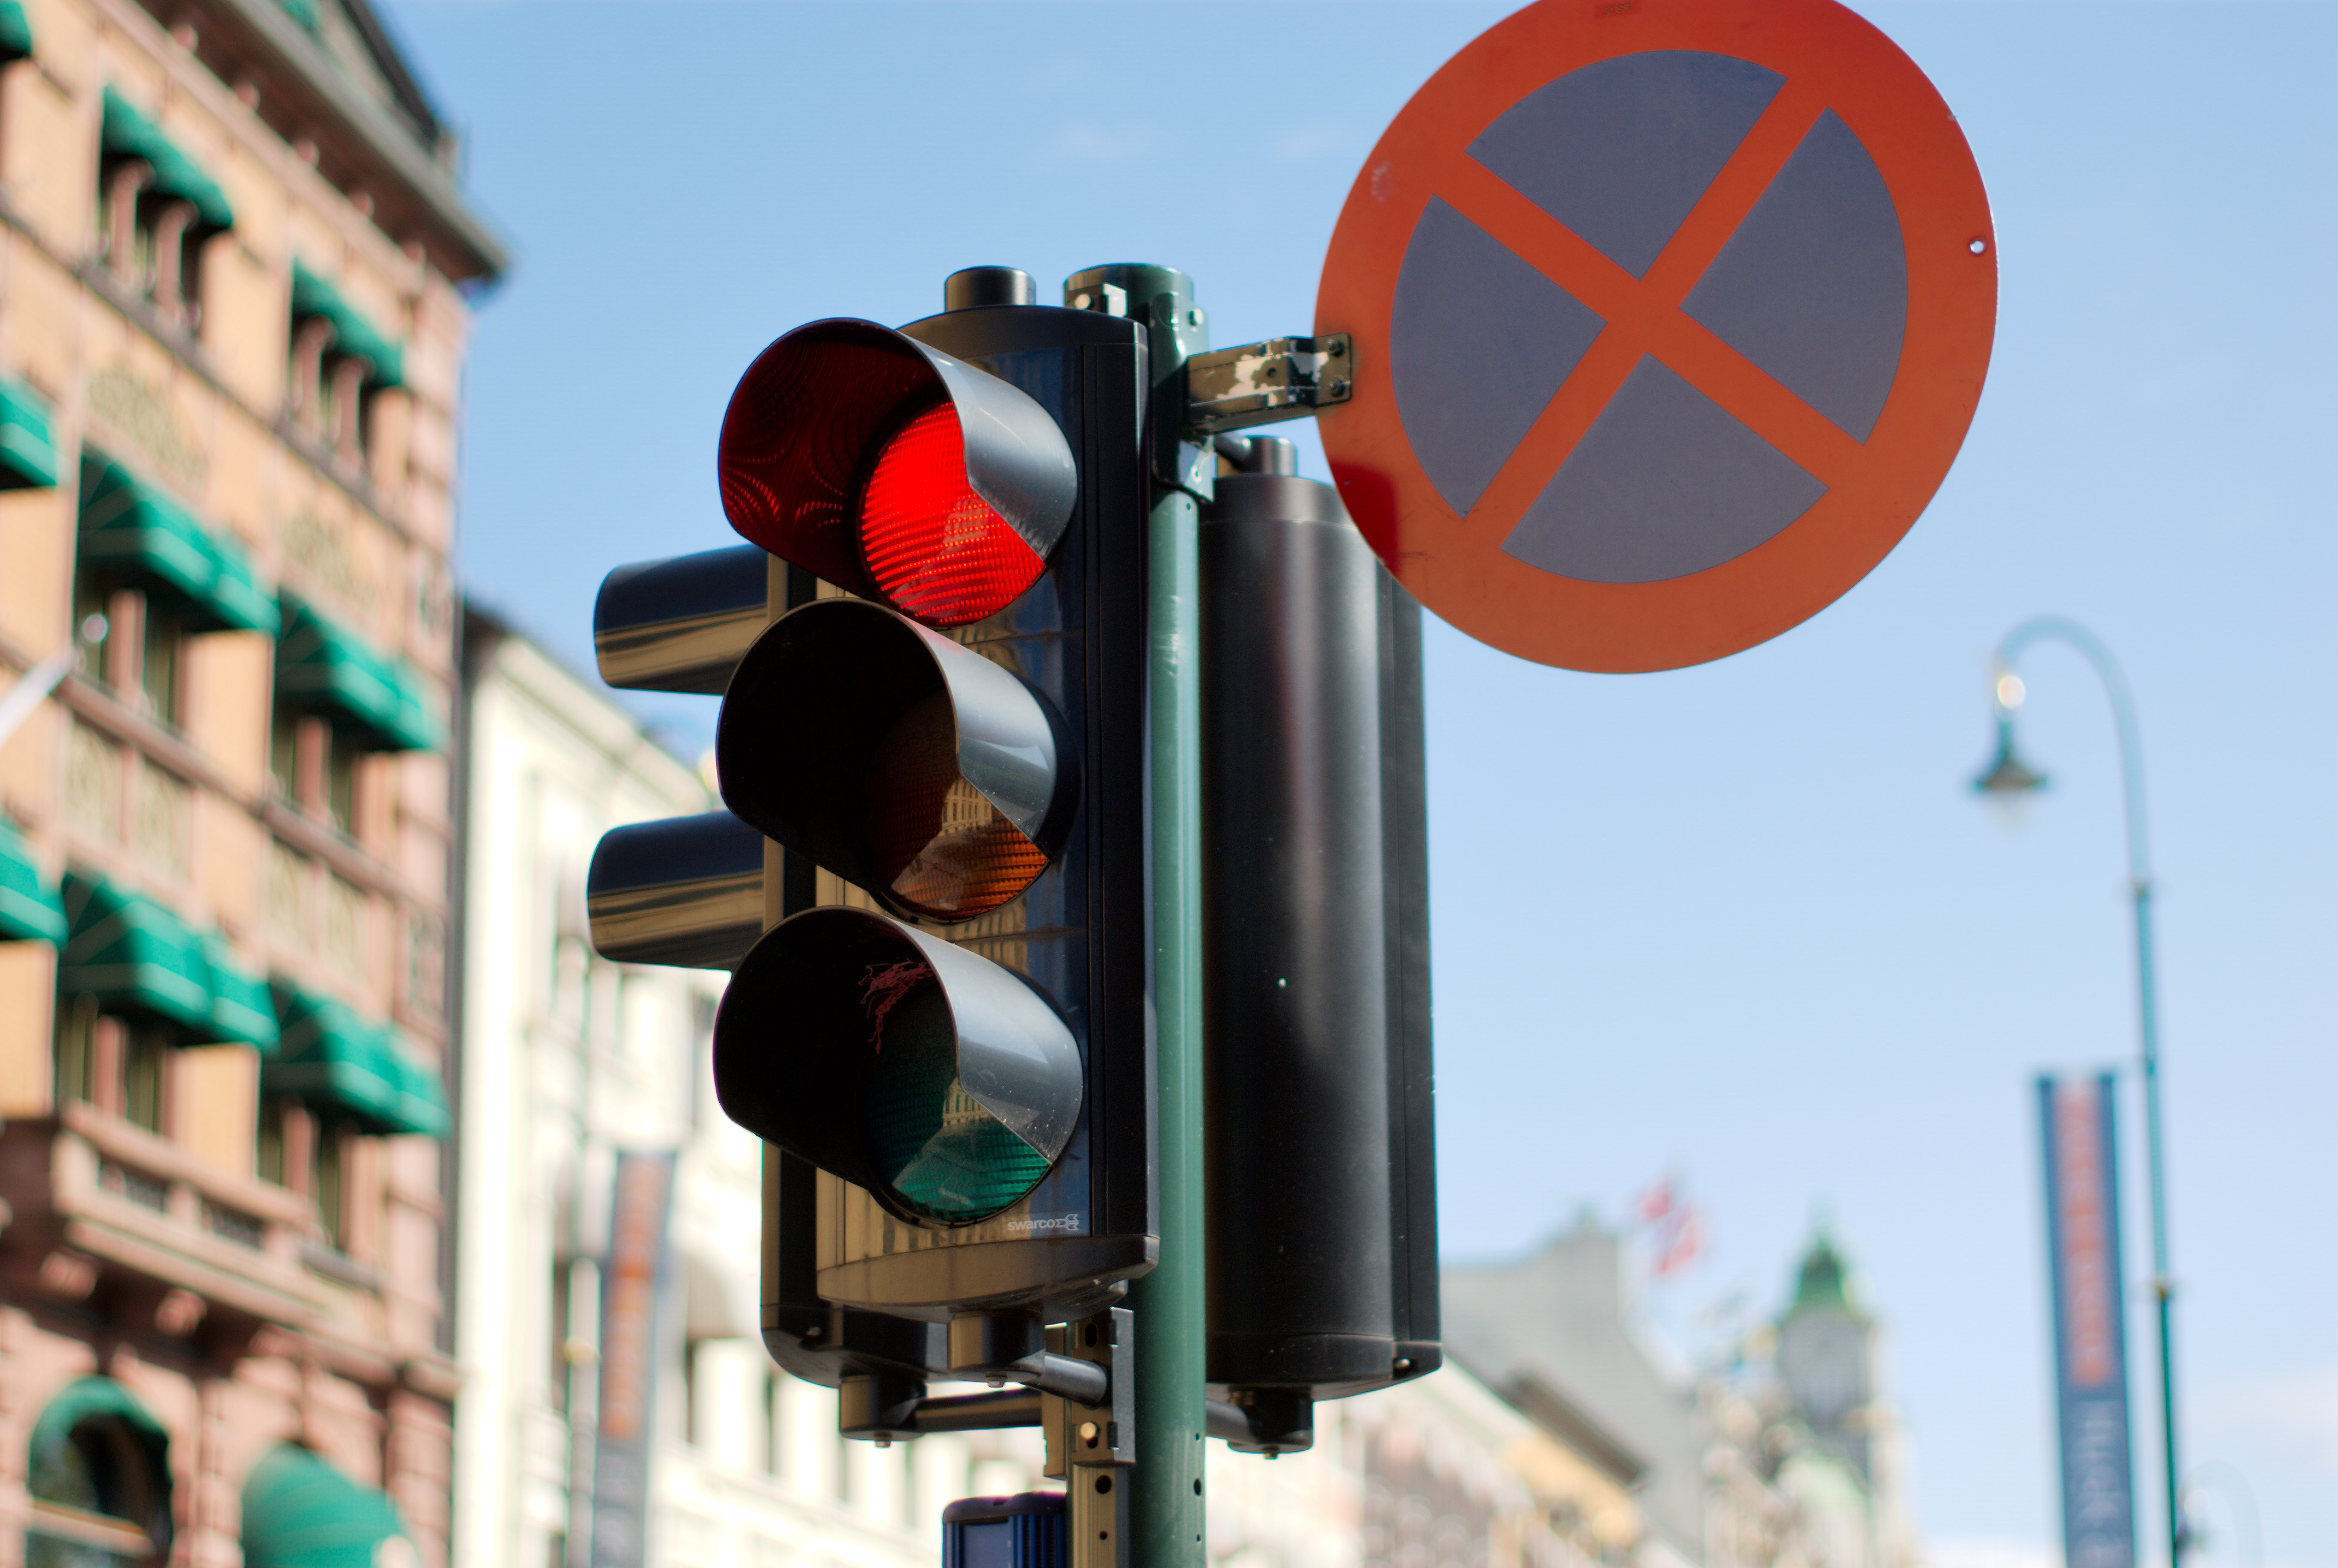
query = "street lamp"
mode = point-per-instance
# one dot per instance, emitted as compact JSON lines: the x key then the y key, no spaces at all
{"x":2007,"y":778}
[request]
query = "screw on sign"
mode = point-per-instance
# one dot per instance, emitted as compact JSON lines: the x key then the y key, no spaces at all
{"x":1670,"y":316}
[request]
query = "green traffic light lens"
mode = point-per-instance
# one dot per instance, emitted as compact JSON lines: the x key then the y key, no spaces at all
{"x":941,"y":1155}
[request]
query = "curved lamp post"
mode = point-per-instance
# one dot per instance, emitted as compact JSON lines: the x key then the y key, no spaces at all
{"x":2009,"y":777}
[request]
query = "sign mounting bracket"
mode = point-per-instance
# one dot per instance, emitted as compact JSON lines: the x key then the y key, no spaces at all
{"x":1264,"y":382}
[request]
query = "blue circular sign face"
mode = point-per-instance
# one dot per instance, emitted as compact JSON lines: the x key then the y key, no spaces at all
{"x":1681,"y":313}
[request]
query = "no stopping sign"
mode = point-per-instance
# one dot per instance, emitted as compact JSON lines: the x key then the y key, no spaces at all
{"x":1670,"y":316}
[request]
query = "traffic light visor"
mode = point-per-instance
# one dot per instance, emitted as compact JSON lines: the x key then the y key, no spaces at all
{"x":936,"y":1079}
{"x":924,"y":773}
{"x":896,"y":470}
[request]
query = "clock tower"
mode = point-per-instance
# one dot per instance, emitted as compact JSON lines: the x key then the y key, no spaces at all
{"x":1826,"y":1358}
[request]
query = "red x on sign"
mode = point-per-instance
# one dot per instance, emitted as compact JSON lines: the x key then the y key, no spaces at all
{"x":1669,"y":316}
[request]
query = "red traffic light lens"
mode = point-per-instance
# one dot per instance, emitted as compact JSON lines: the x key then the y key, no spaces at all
{"x":937,"y":550}
{"x":944,"y":850}
{"x":895,"y":472}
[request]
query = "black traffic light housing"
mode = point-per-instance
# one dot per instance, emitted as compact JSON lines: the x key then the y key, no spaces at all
{"x":934,"y":750}
{"x":972,"y":787}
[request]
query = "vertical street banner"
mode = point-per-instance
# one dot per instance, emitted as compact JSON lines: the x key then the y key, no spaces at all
{"x":632,"y":1280}
{"x":2082,"y":1239}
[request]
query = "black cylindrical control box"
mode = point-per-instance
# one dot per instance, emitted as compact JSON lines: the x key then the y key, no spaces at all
{"x":1319,"y":1141}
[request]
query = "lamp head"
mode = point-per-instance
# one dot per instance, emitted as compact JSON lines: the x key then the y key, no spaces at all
{"x":2008,"y":779}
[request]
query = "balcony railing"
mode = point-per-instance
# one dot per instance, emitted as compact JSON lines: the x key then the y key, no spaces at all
{"x":97,"y":1199}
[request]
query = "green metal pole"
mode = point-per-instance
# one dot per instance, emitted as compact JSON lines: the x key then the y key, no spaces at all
{"x":1167,"y":1511}
{"x":2162,"y":1287}
{"x":1165,"y":1508}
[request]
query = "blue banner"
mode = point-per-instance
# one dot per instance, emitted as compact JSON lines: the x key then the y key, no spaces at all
{"x":2082,"y":1243}
{"x":633,"y":1278}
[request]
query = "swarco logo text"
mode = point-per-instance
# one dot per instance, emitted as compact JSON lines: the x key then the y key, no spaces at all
{"x":1050,"y":1222}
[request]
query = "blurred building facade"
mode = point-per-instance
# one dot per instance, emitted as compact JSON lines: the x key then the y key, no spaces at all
{"x":1441,"y":1472}
{"x":232,"y":261}
{"x":1789,"y":1457}
{"x":565,"y":1060}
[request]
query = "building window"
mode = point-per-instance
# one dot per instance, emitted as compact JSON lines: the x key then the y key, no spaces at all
{"x":156,"y":210}
{"x":284,"y":755}
{"x":162,"y":651}
{"x":320,"y":767}
{"x":99,"y":1486}
{"x":133,"y":644}
{"x":77,"y":1051}
{"x":329,"y":1185}
{"x":92,"y":628}
{"x":328,"y":390}
{"x":339,"y":794}
{"x":339,"y":364}
{"x":273,"y":1141}
{"x":120,"y":1066}
{"x":145,"y":1062}
{"x":310,"y":1159}
{"x":146,"y":238}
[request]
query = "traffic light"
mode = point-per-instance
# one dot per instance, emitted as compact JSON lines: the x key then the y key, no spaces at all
{"x":936,"y":883}
{"x":954,"y":1035}
{"x":933,"y":755}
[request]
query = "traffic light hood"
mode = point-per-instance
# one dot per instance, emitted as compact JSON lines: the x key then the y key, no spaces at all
{"x":896,"y":471}
{"x":930,"y":1076}
{"x":926,"y":774}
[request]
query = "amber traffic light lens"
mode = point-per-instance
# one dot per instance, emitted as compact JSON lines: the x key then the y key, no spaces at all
{"x":938,"y":551}
{"x":944,"y":850}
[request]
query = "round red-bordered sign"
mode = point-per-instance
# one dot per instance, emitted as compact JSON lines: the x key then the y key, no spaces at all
{"x":1669,"y":318}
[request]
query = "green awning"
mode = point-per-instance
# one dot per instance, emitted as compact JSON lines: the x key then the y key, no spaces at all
{"x":345,"y":1068}
{"x":298,"y":1511}
{"x":15,"y":32}
{"x":30,"y":910}
{"x":320,"y":664}
{"x":242,"y":1009}
{"x":131,"y":527}
{"x":312,"y":297}
{"x":126,"y":950}
{"x":89,"y":1398}
{"x":28,"y":457}
{"x":130,"y":952}
{"x":421,"y":1100}
{"x":126,"y":133}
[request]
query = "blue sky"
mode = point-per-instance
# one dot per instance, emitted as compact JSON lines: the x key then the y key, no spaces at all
{"x":1742,"y":921}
